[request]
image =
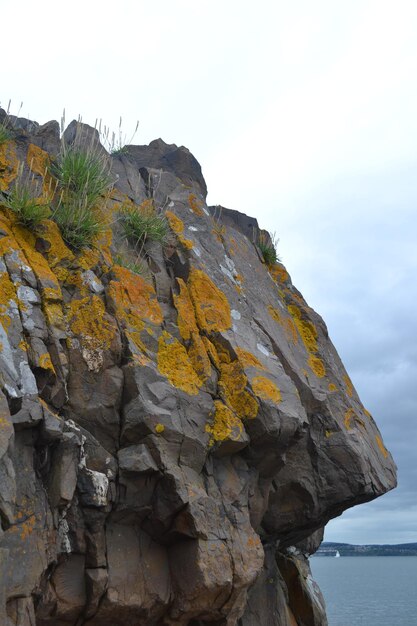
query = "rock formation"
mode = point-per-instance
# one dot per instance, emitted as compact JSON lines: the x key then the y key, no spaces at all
{"x":172,"y":443}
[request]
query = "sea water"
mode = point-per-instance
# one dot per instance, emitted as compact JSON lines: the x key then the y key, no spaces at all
{"x":368,"y":590}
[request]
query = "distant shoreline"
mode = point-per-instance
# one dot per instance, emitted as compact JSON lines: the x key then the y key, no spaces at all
{"x":332,"y":549}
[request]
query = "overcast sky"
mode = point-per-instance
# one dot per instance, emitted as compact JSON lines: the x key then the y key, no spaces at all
{"x":301,"y":113}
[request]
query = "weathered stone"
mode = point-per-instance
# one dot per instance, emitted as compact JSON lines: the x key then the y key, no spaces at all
{"x":136,"y":459}
{"x":172,"y":444}
{"x":92,"y":487}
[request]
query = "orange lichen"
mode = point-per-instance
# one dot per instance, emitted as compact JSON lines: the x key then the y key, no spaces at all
{"x":199,"y":357}
{"x":233,"y":388}
{"x":224,"y":425}
{"x":177,"y":225}
{"x":7,"y":295}
{"x":248,"y":359}
{"x":211,"y":351}
{"x":38,"y":263}
{"x":266,"y":389}
{"x":218,"y":230}
{"x":222,"y":352}
{"x":38,"y":162}
{"x":174,"y":363}
{"x":306,"y":329}
{"x":45,"y":362}
{"x":54,"y":314}
{"x":212,"y":309}
{"x":86,"y":318}
{"x":134,"y":302}
{"x":381,"y":446}
{"x":286,"y":322}
{"x":349,"y":415}
{"x":332,"y":387}
{"x":186,"y":321}
{"x":9,"y":165}
{"x":195,"y":204}
{"x":279,"y":273}
{"x":57,"y":251}
{"x":316,"y":366}
{"x":349,"y":385}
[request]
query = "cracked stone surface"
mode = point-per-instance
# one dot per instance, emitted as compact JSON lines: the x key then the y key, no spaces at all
{"x":172,"y":443}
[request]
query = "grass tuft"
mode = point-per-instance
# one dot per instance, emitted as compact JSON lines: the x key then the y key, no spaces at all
{"x":141,"y":224}
{"x":6,"y":133}
{"x":83,"y":175}
{"x":139,"y":267}
{"x":78,"y":222}
{"x":268,"y":247}
{"x":28,"y":205}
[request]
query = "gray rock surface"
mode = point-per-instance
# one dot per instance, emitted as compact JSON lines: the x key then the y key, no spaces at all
{"x":171,"y":443}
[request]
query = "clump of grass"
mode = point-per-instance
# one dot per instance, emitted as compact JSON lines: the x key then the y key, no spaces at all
{"x":28,"y":205}
{"x":116,"y":143}
{"x":6,"y":125}
{"x":6,"y":133}
{"x":79,"y":223}
{"x":139,"y":267}
{"x":142,"y":224}
{"x":268,"y":248}
{"x":83,"y":176}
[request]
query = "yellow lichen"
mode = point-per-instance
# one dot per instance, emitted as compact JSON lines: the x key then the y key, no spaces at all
{"x":38,"y":263}
{"x":45,"y":362}
{"x":211,"y":307}
{"x":174,"y":363}
{"x":225,"y":424}
{"x":199,"y":357}
{"x":279,"y":273}
{"x":266,"y":389}
{"x":328,"y":433}
{"x":9,"y":165}
{"x":7,"y":296}
{"x":332,"y":387}
{"x":233,"y":388}
{"x":316,"y":366}
{"x":195,"y":205}
{"x":186,"y":321}
{"x":248,"y":359}
{"x":381,"y":446}
{"x":57,"y":251}
{"x":134,"y":302}
{"x":177,"y":225}
{"x":349,"y":385}
{"x":86,"y":320}
{"x":38,"y":162}
{"x":306,"y":329}
{"x":350,"y":415}
{"x":286,"y":322}
{"x":159,"y":428}
{"x":211,"y":351}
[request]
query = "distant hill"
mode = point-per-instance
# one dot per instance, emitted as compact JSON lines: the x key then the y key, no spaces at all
{"x":329,"y":548}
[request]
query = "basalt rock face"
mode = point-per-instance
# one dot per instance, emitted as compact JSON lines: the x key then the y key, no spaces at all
{"x":171,"y":444}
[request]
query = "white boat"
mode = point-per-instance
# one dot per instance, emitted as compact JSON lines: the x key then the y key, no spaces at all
{"x":337,"y":554}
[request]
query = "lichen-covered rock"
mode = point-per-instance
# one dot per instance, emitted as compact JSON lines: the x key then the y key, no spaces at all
{"x":171,"y":444}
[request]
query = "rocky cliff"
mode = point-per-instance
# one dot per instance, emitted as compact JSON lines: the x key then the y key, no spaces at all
{"x":173,"y":441}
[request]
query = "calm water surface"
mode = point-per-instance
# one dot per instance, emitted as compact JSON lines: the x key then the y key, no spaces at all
{"x":368,"y":590}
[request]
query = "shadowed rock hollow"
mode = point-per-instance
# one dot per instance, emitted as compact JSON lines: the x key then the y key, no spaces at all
{"x":172,"y":444}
